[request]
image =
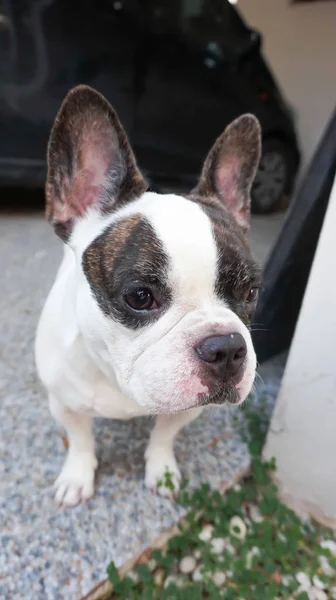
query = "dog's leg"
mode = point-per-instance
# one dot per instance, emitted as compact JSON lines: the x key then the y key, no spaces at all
{"x":159,"y":455}
{"x":76,"y":480}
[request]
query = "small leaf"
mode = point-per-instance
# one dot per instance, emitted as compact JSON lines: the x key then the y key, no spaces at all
{"x":113,"y":575}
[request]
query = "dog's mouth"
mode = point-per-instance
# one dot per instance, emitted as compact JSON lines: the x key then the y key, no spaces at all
{"x":223,"y":394}
{"x":220,"y":396}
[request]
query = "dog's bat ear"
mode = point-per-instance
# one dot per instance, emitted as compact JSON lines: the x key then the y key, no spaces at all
{"x":90,"y":161}
{"x":230,"y":167}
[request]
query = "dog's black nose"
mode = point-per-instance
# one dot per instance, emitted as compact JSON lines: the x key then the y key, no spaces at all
{"x":226,"y":353}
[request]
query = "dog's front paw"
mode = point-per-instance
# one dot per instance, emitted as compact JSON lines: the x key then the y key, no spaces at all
{"x":162,"y":474}
{"x":75,"y":483}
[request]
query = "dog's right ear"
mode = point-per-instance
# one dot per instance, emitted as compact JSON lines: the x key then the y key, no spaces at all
{"x":90,"y":161}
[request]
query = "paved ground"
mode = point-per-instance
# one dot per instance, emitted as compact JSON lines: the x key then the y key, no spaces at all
{"x":50,"y":555}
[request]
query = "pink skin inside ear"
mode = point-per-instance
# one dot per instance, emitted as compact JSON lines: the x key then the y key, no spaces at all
{"x":90,"y":179}
{"x":79,"y":196}
{"x":227,"y":180}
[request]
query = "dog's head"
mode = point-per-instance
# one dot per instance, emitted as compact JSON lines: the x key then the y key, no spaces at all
{"x":165,"y":284}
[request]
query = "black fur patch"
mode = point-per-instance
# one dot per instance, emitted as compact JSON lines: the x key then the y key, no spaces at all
{"x":128,"y":252}
{"x":237,"y":272}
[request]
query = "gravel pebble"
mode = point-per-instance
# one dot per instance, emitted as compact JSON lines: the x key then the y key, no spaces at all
{"x":329,"y":545}
{"x":287,"y":580}
{"x":206,"y":533}
{"x":250,"y":556}
{"x":219,"y":578}
{"x":255,"y":514}
{"x":326,"y":566}
{"x":158,"y":577}
{"x":173,"y":579}
{"x":303,"y":580}
{"x":319,"y":583}
{"x":218,"y":545}
{"x":318,"y":594}
{"x":237,"y":523}
{"x":187,"y":565}
{"x":197,"y":575}
{"x":134,"y":576}
{"x":152,"y":564}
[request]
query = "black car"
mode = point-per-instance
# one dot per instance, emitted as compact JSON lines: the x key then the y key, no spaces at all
{"x":177,"y":72}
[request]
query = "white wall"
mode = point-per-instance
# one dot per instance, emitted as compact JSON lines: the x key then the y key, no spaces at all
{"x":300,"y":45}
{"x":302,"y":435}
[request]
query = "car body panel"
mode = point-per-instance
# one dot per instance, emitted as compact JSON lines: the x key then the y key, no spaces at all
{"x":177,"y":73}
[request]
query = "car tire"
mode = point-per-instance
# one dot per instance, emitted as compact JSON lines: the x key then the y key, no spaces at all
{"x":274,"y":178}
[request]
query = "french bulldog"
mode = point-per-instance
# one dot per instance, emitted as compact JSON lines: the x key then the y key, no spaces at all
{"x":150,"y":310}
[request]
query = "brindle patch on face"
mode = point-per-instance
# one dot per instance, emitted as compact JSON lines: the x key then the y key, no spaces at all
{"x":128,"y":254}
{"x":237,"y":272}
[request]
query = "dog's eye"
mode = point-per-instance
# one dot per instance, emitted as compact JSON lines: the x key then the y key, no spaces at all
{"x":252,"y":295}
{"x":140,"y":299}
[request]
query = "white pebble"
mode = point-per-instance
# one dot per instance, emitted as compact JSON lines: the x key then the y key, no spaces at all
{"x":197,"y":554}
{"x":158,"y":577}
{"x":219,"y":578}
{"x":133,"y":575}
{"x":152,"y":564}
{"x":172,"y":579}
{"x":187,"y":565}
{"x":206,"y":533}
{"x":237,"y":528}
{"x":318,"y":583}
{"x":304,"y":581}
{"x":237,"y":487}
{"x":218,"y":545}
{"x":255,"y":514}
{"x":317,"y":594}
{"x":326,"y":567}
{"x":302,"y":590}
{"x":250,"y":555}
{"x":287,"y":580}
{"x":329,"y":545}
{"x":197,"y":575}
{"x":229,"y":548}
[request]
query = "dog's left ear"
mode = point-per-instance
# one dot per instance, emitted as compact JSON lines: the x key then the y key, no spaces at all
{"x":90,"y":161}
{"x":230,"y":167}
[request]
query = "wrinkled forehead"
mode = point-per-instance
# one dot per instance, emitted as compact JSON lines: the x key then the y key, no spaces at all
{"x":160,"y":235}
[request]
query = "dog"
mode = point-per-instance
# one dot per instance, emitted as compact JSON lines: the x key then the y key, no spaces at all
{"x":151,"y":307}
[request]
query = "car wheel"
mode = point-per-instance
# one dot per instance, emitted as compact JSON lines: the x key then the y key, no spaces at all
{"x":274,"y":177}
